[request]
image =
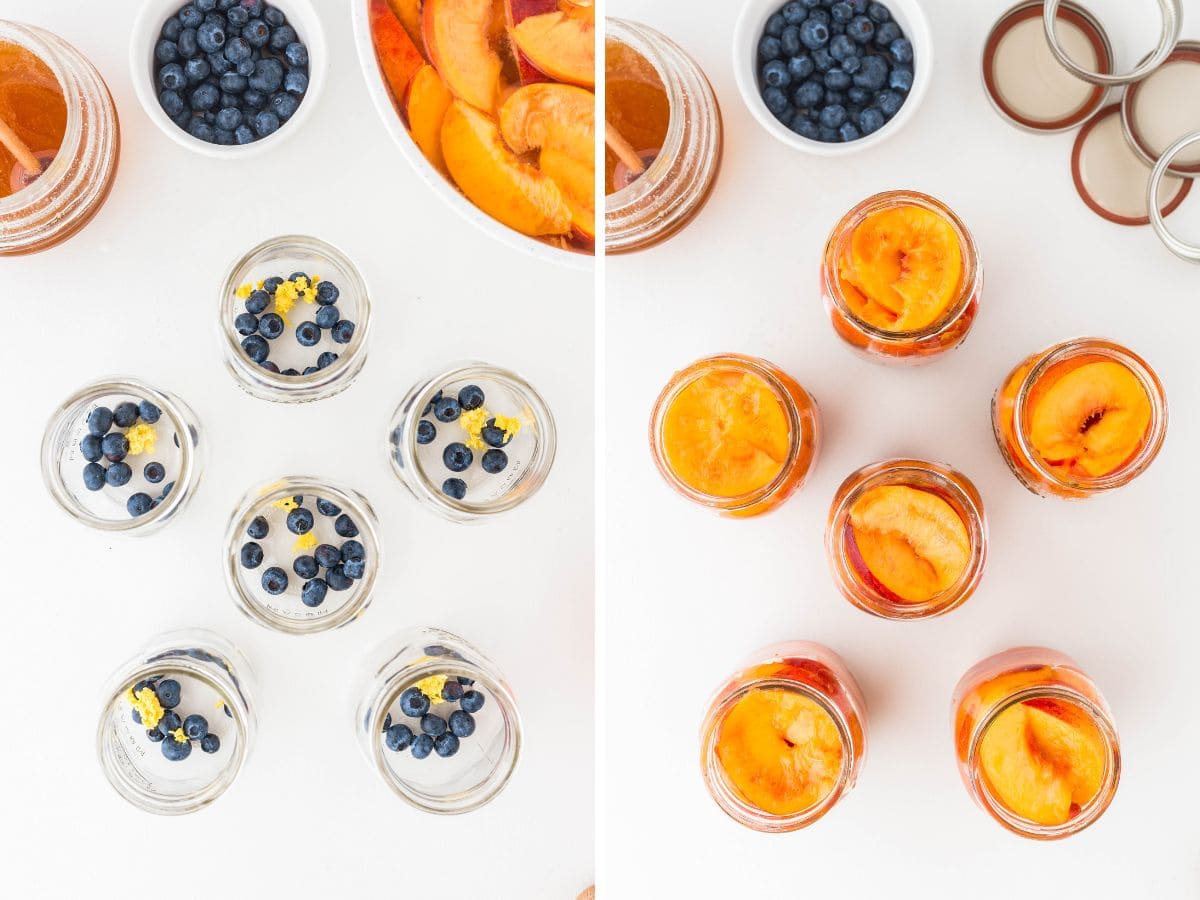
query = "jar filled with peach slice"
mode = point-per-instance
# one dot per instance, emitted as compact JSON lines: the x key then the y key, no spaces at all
{"x":906,"y":539}
{"x":785,"y":738}
{"x":901,"y":278}
{"x":1035,"y":742}
{"x":497,"y":94}
{"x":734,"y":433}
{"x":1082,"y":417}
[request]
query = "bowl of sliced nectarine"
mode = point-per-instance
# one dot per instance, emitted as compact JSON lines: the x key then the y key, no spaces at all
{"x":492,"y":103}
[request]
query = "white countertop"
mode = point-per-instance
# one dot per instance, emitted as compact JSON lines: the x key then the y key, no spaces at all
{"x":690,"y":595}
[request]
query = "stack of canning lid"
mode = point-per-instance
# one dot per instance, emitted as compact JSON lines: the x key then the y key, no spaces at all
{"x":1048,"y":67}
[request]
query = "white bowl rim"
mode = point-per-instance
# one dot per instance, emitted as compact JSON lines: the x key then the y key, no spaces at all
{"x":747,"y":31}
{"x":382,"y":101}
{"x":145,"y":33}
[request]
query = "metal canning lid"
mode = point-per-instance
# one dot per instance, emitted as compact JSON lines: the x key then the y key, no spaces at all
{"x":1162,"y":107}
{"x":1172,"y":23}
{"x":1027,"y":85}
{"x":1181,"y":248}
{"x":1112,"y":178}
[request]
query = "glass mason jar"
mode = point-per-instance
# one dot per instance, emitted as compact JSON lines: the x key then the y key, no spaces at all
{"x":181,"y":456}
{"x":1027,"y":384}
{"x":281,"y":257}
{"x":851,"y":573}
{"x":1048,"y":681}
{"x":290,"y":612}
{"x":215,"y":682}
{"x":813,"y":672}
{"x":677,"y":184}
{"x":485,"y":760}
{"x":899,"y":347}
{"x":800,"y":410}
{"x":73,"y":187}
{"x":420,"y":466}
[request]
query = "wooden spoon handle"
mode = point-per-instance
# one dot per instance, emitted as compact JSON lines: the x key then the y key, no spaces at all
{"x":624,"y":150}
{"x":12,"y":141}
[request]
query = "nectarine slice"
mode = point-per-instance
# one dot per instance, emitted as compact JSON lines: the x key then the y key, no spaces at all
{"x":560,"y":44}
{"x":1091,"y":420}
{"x":912,"y":541}
{"x":425,"y":105}
{"x":780,"y":750}
{"x":409,"y":14}
{"x":494,"y":179}
{"x":398,"y":57}
{"x":907,"y":262}
{"x":457,"y":37}
{"x":726,"y":434}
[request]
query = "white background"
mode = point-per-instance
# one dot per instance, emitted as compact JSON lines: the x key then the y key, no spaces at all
{"x":136,"y":293}
{"x":690,"y":595}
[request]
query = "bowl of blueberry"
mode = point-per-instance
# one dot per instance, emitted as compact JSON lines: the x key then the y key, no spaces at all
{"x":228,"y":77}
{"x":830,"y":77}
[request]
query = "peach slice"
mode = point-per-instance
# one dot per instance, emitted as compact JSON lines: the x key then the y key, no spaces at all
{"x":560,"y":44}
{"x":409,"y":14}
{"x":780,"y":750}
{"x":398,"y":57}
{"x":1041,"y":766}
{"x":494,"y":179}
{"x":517,"y":12}
{"x":912,"y":541}
{"x":457,"y":36}
{"x":906,"y":263}
{"x":558,"y":120}
{"x":425,"y":105}
{"x":1091,"y":420}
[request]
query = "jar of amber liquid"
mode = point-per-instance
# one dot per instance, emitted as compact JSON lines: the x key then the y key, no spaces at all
{"x":906,"y":539}
{"x":60,"y":142}
{"x":734,"y":433}
{"x":1035,"y":742}
{"x":785,"y":738}
{"x":901,"y":278}
{"x":1082,"y":417}
{"x":660,"y":169}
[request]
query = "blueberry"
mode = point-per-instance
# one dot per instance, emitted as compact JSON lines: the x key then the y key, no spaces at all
{"x":814,"y":33}
{"x":345,"y":526}
{"x":327,"y":507}
{"x":271,"y":325}
{"x":837,"y":80}
{"x":237,"y":50}
{"x":901,"y":79}
{"x":166,"y":489}
{"x":274,"y":580}
{"x":494,"y":461}
{"x":237,"y":16}
{"x":266,"y":123}
{"x":494,"y":436}
{"x":201,"y":130}
{"x":457,"y":456}
{"x":149,"y":412}
{"x":210,"y":743}
{"x":171,"y":103}
{"x":832,"y":116}
{"x":342,"y":331}
{"x":326,"y":359}
{"x":431,"y":724}
{"x":860,"y":29}
{"x":793,"y":13}
{"x":878,"y":12}
{"x":274,"y":16}
{"x":256,"y":347}
{"x":296,"y":54}
{"x":295,"y":83}
{"x":251,"y":555}
{"x":327,"y":293}
{"x":472,"y":701}
{"x":446,"y":745}
{"x":233,"y":83}
{"x":873,"y":74}
{"x":246,"y":68}
{"x":154,"y":472}
{"x":220,"y":66}
{"x":308,"y":334}
{"x":195,"y":727}
{"x":337,"y":579}
{"x":205,"y":5}
{"x":422,"y":746}
{"x":413,"y":703}
{"x":432,"y":402}
{"x":835,"y":98}
{"x":93,"y":476}
{"x":171,"y":28}
{"x":466,"y":681}
{"x":776,"y":100}
{"x":446,"y":409}
{"x":327,"y":316}
{"x":174,"y":750}
{"x":139,"y":504}
{"x":452,"y":691}
{"x":805,"y":127}
{"x":352,"y":550}
{"x":859,"y":95}
{"x":284,"y":106}
{"x":841,"y":12}
{"x":169,"y":722}
{"x":775,"y":25}
{"x":205,"y":97}
{"x":312,"y":594}
{"x":355,"y":568}
{"x":398,"y":738}
{"x":229,"y":119}
{"x":257,"y":302}
{"x":842,"y":48}
{"x":789,"y":42}
{"x":327,"y":555}
{"x":305,"y":566}
{"x":281,"y":37}
{"x":210,"y":37}
{"x":256,"y":33}
{"x":190,"y":16}
{"x":462,"y":723}
{"x":89,"y":447}
{"x":154,"y":735}
{"x":852,"y":64}
{"x":268,"y":75}
{"x":800,"y":67}
{"x":165,"y":51}
{"x":848,"y":132}
{"x":171,"y":77}
{"x":114,"y":446}
{"x":886,"y":33}
{"x":258,"y":528}
{"x":246,"y":323}
{"x":244,"y":134}
{"x":809,"y":95}
{"x":186,"y":44}
{"x":169,"y":693}
{"x":99,"y":421}
{"x":471,"y":397}
{"x":768,"y":48}
{"x":454,"y":488}
{"x":901,"y":50}
{"x":300,"y":521}
{"x":889,"y":103}
{"x":775,"y":74}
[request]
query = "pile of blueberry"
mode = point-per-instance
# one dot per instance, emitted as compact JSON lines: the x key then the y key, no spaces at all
{"x":437,"y":733}
{"x":173,"y":733}
{"x":258,"y":326}
{"x":230,"y":71}
{"x":106,"y":442}
{"x":457,"y":456}
{"x":834,"y":70}
{"x":343,"y":565}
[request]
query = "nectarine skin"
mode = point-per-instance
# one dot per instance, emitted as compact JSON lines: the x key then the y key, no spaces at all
{"x":560,"y":44}
{"x":398,"y":57}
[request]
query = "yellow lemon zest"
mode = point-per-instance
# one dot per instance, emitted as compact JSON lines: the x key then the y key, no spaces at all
{"x":146,"y":703}
{"x":142,"y":437}
{"x":472,"y":422}
{"x":259,"y":285}
{"x":431,"y":687}
{"x":304,"y":542}
{"x":243,"y":292}
{"x":179,"y":736}
{"x":287,"y":504}
{"x":510,"y":425}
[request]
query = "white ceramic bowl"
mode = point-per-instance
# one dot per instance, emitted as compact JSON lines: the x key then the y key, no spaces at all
{"x":747,"y":32}
{"x":146,"y":29}
{"x":382,"y":99}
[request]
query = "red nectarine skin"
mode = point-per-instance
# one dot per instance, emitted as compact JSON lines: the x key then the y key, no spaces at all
{"x":560,"y":44}
{"x":398,"y":57}
{"x":409,"y":14}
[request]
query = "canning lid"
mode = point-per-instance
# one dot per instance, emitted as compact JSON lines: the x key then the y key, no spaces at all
{"x":1172,"y":23}
{"x":1181,"y":248}
{"x":1153,"y":115}
{"x":1111,"y":177}
{"x":1026,"y":83}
